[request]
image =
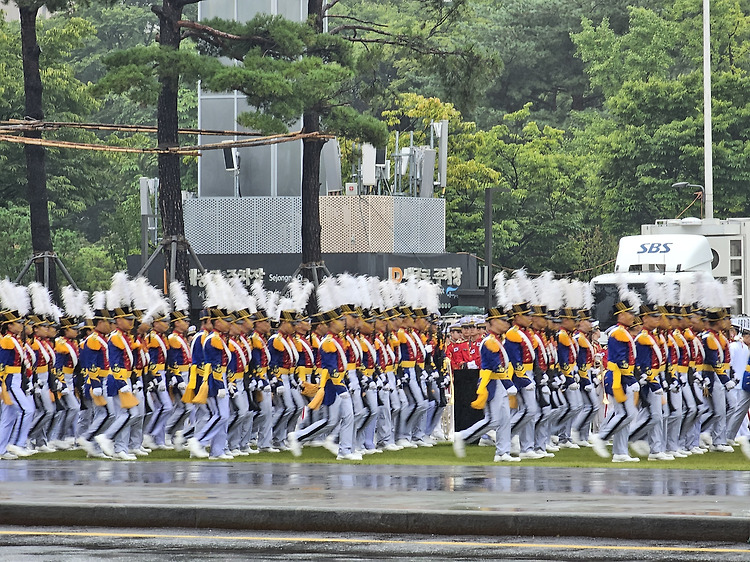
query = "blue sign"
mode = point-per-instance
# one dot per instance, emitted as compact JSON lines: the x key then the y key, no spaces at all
{"x":655,"y":248}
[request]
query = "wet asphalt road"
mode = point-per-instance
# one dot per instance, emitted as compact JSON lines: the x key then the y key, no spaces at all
{"x":510,"y":489}
{"x":66,"y":545}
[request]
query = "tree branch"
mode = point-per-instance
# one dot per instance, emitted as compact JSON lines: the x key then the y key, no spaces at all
{"x":339,"y":29}
{"x":330,"y":5}
{"x":211,"y":31}
{"x":352,"y":18}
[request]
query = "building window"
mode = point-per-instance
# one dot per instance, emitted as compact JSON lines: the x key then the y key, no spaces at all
{"x":735,"y":248}
{"x":735,"y":267}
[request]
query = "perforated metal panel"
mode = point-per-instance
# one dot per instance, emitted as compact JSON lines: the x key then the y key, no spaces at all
{"x":419,"y":225}
{"x":349,"y":224}
{"x":356,"y":224}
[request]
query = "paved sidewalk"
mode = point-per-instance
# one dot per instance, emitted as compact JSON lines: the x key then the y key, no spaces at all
{"x":498,"y":500}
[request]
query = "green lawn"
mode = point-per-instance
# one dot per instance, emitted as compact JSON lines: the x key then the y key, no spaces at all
{"x":443,"y":455}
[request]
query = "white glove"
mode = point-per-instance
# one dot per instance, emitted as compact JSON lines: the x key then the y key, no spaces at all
{"x":65,"y":390}
{"x":372,"y":386}
{"x":472,"y":365}
{"x":267,"y":388}
{"x":512,"y":391}
{"x":544,"y":379}
{"x":428,"y":349}
{"x":96,"y":391}
{"x":126,"y":388}
{"x":281,"y":389}
{"x":222,"y":393}
{"x":181,"y":385}
{"x":635,"y":387}
{"x":139,"y":384}
{"x":162,"y":386}
{"x":546,"y":390}
{"x":730,"y":385}
{"x":576,"y":377}
{"x":574,"y":386}
{"x":252,"y":385}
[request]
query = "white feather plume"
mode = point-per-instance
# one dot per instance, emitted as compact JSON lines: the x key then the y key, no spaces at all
{"x":501,"y":296}
{"x":75,"y":302}
{"x":41,"y":300}
{"x":429,"y":296}
{"x":513,"y":291}
{"x":326,"y":294}
{"x":363,"y":290}
{"x":300,"y":290}
{"x":655,"y":290}
{"x":99,"y":300}
{"x":159,"y":307}
{"x":671,"y":291}
{"x":347,"y":289}
{"x":526,"y":286}
{"x":14,"y":297}
{"x":120,"y":292}
{"x":272,"y":305}
{"x":550,"y":291}
{"x":179,"y":296}
{"x":573,"y":293}
{"x":213,"y":297}
{"x":260,"y":294}
{"x":629,"y":296}
{"x":376,"y":297}
{"x":728,"y":294}
{"x":687,"y":292}
{"x":390,"y":294}
{"x":240,"y":295}
{"x":143,"y":293}
{"x":410,"y":293}
{"x":587,"y":292}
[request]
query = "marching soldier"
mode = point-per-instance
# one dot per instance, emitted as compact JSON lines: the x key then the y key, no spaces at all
{"x":495,"y":386}
{"x":179,"y":360}
{"x":620,"y":384}
{"x":95,"y":363}
{"x":67,"y":364}
{"x":17,"y":405}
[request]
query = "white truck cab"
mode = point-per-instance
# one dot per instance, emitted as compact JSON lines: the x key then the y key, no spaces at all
{"x":676,"y":256}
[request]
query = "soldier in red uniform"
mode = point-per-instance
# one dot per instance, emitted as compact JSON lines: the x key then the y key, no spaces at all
{"x":456,"y":348}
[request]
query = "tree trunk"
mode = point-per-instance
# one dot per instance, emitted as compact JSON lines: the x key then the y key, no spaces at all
{"x":36,"y":176}
{"x":311,"y":149}
{"x":170,"y":185}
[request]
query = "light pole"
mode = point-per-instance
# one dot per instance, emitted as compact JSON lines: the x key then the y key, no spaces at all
{"x":488,"y":240}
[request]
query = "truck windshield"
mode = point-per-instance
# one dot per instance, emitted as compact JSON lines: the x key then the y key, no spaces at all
{"x":605,"y":297}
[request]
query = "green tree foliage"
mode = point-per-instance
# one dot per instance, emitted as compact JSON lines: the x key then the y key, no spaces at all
{"x":538,"y":216}
{"x":414,"y":46}
{"x":539,"y":63}
{"x":651,"y":132}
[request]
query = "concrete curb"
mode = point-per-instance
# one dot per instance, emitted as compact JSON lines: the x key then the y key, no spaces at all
{"x":651,"y":527}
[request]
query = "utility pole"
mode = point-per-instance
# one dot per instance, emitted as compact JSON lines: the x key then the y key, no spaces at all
{"x":488,"y":240}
